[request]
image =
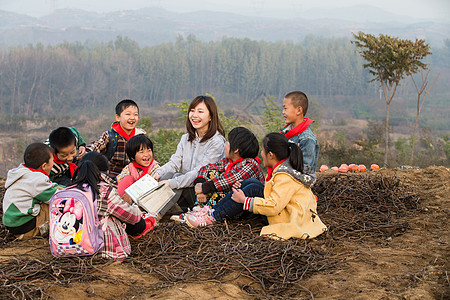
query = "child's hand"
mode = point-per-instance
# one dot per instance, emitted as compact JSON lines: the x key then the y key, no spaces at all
{"x":237,"y":184}
{"x":201,"y":198}
{"x":156,"y":176}
{"x":238,"y":196}
{"x":127,"y":199}
{"x":81,"y":152}
{"x":198,"y":189}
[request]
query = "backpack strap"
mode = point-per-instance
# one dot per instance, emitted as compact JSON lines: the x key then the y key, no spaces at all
{"x":112,"y":143}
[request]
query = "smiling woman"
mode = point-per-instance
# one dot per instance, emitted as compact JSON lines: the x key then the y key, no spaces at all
{"x":201,"y":145}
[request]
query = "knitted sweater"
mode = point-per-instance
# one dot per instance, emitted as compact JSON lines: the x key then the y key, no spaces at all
{"x":190,"y":157}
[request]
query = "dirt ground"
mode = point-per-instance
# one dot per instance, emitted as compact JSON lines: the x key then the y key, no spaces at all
{"x":413,"y":265}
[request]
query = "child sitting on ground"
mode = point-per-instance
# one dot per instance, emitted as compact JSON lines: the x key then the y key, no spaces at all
{"x":288,"y":204}
{"x":28,"y":190}
{"x":139,"y":149}
{"x":214,"y":181}
{"x":298,"y":131}
{"x":112,"y":142}
{"x":65,"y":145}
{"x":111,"y":208}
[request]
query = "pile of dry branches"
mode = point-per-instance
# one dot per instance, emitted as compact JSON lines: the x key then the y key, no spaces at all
{"x":366,"y":206}
{"x":355,"y":208}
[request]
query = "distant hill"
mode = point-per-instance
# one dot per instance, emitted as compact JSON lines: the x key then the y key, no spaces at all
{"x":152,"y":26}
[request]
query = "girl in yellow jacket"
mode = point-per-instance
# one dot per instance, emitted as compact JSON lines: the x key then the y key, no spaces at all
{"x":287,"y":202}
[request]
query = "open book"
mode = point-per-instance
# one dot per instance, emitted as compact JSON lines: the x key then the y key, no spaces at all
{"x":149,"y":195}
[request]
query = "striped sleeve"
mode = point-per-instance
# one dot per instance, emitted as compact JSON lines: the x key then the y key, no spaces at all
{"x":248,"y":168}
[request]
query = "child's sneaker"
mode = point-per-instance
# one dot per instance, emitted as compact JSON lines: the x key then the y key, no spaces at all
{"x":178,"y":218}
{"x":149,"y":225}
{"x":199,"y":220}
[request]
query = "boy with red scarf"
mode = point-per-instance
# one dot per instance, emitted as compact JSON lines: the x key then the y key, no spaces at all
{"x":66,"y":143}
{"x":298,"y":131}
{"x":139,"y":150}
{"x":28,"y":190}
{"x":112,"y":142}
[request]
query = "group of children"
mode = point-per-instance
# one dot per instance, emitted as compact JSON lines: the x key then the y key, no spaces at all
{"x":213,"y":178}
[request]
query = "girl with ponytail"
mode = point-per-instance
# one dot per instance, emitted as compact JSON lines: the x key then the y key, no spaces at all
{"x":286,"y":199}
{"x":120,"y":217}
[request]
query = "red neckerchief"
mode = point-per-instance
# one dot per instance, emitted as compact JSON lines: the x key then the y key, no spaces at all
{"x":116,"y":126}
{"x":37,"y":170}
{"x":298,"y":129}
{"x":233,"y":163}
{"x":145,"y":169}
{"x":72,"y":166}
{"x":270,"y":170}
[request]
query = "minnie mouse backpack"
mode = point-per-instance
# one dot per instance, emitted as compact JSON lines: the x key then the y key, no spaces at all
{"x":74,"y":228}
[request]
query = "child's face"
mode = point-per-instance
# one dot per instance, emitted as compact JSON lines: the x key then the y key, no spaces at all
{"x":128,"y":118}
{"x":144,"y":156}
{"x":47,"y":167}
{"x":233,"y":155}
{"x":292,"y":115}
{"x":67,"y":154}
{"x":199,"y":118}
{"x":264,"y":158}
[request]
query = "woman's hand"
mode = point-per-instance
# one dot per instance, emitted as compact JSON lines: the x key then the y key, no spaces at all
{"x":238,"y":196}
{"x":165,"y":182}
{"x":156,"y":176}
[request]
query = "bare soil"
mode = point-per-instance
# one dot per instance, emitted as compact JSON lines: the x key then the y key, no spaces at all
{"x":412,"y":265}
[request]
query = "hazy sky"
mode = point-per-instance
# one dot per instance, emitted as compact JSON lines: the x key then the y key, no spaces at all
{"x":430,"y":9}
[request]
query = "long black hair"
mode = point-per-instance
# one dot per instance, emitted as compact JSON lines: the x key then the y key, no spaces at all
{"x":87,"y":173}
{"x":280,"y":146}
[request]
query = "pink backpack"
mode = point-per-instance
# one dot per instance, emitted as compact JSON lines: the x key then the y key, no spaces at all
{"x":74,"y":226}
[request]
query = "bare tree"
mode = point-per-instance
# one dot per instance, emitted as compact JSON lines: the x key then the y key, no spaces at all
{"x":422,"y":90}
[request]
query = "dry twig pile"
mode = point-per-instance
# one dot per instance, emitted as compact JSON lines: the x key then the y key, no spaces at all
{"x":355,"y":208}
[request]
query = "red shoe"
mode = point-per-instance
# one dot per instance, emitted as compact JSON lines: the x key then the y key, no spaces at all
{"x":149,"y":225}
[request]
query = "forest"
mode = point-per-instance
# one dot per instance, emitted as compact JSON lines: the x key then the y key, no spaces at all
{"x":39,"y":83}
{"x":44,"y":80}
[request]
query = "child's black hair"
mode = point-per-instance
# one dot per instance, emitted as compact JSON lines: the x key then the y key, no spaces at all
{"x":87,"y":173}
{"x":61,"y":137}
{"x":280,"y":146}
{"x":98,"y":159}
{"x":36,"y":154}
{"x":135,"y":143}
{"x":122,"y":105}
{"x":298,"y":98}
{"x":245,"y":141}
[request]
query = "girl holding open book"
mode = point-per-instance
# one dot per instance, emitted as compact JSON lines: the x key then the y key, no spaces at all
{"x":201,"y":145}
{"x":139,"y":149}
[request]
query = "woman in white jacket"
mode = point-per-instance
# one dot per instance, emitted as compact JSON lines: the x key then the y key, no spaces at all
{"x":201,"y":145}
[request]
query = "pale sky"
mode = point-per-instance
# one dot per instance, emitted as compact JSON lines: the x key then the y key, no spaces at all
{"x":427,"y":9}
